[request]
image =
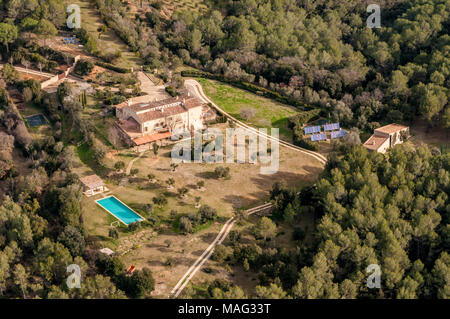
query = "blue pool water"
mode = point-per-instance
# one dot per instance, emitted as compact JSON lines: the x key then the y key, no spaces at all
{"x":119,"y":210}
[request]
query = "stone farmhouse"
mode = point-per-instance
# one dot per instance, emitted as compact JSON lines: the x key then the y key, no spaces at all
{"x":386,"y":137}
{"x":142,"y":122}
{"x":93,"y":185}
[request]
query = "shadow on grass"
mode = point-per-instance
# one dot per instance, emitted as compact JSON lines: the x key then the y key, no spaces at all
{"x":208,"y":237}
{"x":206,"y":175}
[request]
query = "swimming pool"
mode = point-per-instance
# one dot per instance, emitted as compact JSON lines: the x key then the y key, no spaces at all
{"x":119,"y":210}
{"x":36,"y":120}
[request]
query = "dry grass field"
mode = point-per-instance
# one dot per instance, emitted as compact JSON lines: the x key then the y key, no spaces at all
{"x":109,"y":41}
{"x":267,"y":112}
{"x":422,"y":133}
{"x":245,"y":188}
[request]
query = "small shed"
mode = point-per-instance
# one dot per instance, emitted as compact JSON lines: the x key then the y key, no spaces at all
{"x":386,"y":137}
{"x":93,"y":185}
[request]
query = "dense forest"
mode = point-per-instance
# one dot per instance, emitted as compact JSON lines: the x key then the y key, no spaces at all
{"x":318,"y":52}
{"x":41,"y":224}
{"x":392,"y":211}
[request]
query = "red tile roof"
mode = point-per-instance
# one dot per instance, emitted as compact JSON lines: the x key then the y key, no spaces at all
{"x":391,"y":128}
{"x":92,"y":181}
{"x":151,"y":138}
{"x":374,"y":142}
{"x":158,"y":114}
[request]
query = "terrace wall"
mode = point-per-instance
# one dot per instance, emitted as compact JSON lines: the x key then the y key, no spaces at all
{"x":61,"y":76}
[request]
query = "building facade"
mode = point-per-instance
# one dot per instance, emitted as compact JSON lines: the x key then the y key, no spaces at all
{"x":386,"y":137}
{"x":143,"y":121}
{"x":93,"y":185}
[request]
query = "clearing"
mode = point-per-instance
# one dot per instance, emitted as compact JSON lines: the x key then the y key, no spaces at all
{"x":109,"y":41}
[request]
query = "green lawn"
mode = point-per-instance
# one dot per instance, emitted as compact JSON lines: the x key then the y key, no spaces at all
{"x":268,"y":112}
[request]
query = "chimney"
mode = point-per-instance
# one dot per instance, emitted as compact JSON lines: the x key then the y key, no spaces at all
{"x":129,"y":102}
{"x":189,"y":93}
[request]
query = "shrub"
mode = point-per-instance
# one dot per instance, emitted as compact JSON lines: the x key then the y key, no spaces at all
{"x":170,"y":262}
{"x":207,"y":213}
{"x":182,"y":191}
{"x":306,"y":144}
{"x":185,"y":225}
{"x":83,"y":67}
{"x":110,"y":266}
{"x":221,"y":253}
{"x":148,"y":208}
{"x":134,"y":226}
{"x":303,"y":118}
{"x":139,"y":284}
{"x":156,"y":4}
{"x":119,"y":165}
{"x":160,"y":200}
{"x":222,"y":172}
{"x":113,"y":233}
{"x":171,"y":90}
{"x":201,"y":184}
{"x":168,"y":242}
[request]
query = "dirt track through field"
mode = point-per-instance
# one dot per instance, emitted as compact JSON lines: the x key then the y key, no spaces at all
{"x":194,"y":87}
{"x":224,"y":231}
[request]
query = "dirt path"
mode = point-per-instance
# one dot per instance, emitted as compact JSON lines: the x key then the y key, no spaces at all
{"x":130,"y":164}
{"x":224,"y":231}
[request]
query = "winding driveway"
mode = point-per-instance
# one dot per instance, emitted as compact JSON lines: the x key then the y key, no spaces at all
{"x":195,"y":88}
{"x":130,"y":164}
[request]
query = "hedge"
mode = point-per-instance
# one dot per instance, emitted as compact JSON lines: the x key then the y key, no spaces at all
{"x":112,"y":67}
{"x":303,"y":117}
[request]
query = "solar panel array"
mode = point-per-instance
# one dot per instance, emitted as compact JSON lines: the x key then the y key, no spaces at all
{"x":338,"y":134}
{"x":36,"y":120}
{"x":331,"y":127}
{"x":312,"y":129}
{"x":318,"y":137}
{"x":70,"y":40}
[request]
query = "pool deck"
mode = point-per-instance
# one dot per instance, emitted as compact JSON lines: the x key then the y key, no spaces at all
{"x":115,"y":216}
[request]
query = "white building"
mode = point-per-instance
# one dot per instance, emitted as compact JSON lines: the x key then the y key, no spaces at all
{"x":386,"y":137}
{"x":144,"y":122}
